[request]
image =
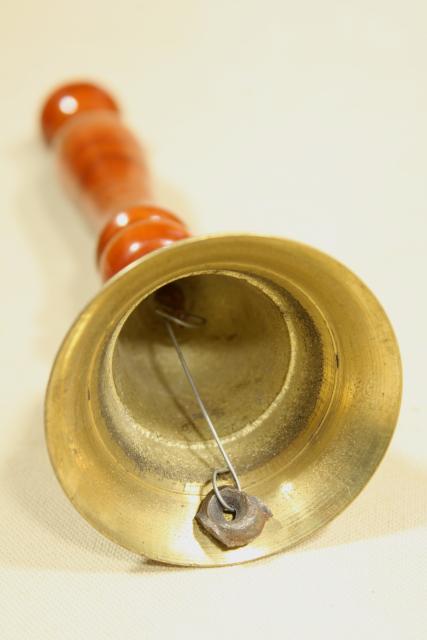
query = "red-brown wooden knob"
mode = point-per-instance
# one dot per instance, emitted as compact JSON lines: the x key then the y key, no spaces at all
{"x":71,"y":100}
{"x":132,"y":233}
{"x":105,"y":170}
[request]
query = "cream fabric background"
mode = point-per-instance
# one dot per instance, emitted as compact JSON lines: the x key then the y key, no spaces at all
{"x":303,"y":119}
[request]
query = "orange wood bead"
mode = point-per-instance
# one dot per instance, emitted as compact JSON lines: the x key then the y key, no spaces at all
{"x":71,"y":100}
{"x":130,"y":216}
{"x":103,"y":167}
{"x":137,"y":240}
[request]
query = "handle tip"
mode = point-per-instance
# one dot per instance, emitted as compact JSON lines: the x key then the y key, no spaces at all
{"x":69,"y":100}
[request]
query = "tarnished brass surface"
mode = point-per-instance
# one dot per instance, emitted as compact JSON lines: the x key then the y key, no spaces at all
{"x":297,"y":365}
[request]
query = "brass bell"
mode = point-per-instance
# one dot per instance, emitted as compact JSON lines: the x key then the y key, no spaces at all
{"x":297,"y":363}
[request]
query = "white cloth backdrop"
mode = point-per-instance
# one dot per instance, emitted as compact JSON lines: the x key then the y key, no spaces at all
{"x":302,"y":119}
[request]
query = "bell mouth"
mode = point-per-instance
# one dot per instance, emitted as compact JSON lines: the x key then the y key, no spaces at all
{"x":305,"y":396}
{"x":258,"y":362}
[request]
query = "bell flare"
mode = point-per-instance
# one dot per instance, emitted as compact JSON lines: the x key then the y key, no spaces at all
{"x":296,"y":362}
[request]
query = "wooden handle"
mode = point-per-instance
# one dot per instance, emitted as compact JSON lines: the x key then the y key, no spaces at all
{"x":104,"y":168}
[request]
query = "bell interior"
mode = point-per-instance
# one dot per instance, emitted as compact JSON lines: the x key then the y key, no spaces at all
{"x":257,"y":361}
